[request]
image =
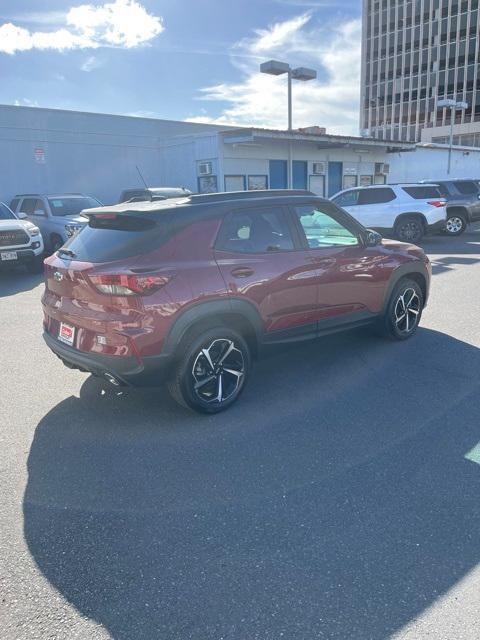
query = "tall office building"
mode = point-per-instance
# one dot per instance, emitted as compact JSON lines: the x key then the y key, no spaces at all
{"x":415,"y":53}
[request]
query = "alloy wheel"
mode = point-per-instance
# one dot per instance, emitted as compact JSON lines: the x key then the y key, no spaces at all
{"x":454,"y":224}
{"x":407,"y":311}
{"x":410,"y":231}
{"x":218,"y":371}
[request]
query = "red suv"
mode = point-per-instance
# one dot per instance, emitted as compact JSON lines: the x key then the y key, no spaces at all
{"x":188,"y":291}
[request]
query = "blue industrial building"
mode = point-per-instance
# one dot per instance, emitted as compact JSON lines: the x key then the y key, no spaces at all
{"x":55,"y":151}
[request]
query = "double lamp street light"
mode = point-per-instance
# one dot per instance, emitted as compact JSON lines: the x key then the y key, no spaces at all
{"x":276,"y":68}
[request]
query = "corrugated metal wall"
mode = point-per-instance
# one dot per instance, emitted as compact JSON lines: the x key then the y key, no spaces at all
{"x":47,"y":151}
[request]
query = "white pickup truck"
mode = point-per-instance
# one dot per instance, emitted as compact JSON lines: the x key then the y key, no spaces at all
{"x":21,"y":242}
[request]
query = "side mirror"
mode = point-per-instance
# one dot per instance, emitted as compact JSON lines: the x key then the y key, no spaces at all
{"x":372,"y":238}
{"x":21,"y":215}
{"x":39,"y":212}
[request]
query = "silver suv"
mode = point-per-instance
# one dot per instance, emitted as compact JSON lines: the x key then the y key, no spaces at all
{"x":405,"y":211}
{"x":463,"y":203}
{"x":57,"y":216}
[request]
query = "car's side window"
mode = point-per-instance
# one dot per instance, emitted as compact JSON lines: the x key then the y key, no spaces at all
{"x":14,"y":204}
{"x":466,"y":188}
{"x":255,"y":231}
{"x":39,"y":208}
{"x":348,"y":199}
{"x":323,"y":230}
{"x":376,"y":196}
{"x":28,"y":206}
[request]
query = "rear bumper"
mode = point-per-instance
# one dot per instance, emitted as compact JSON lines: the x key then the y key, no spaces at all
{"x":149,"y":372}
{"x":435,"y":227}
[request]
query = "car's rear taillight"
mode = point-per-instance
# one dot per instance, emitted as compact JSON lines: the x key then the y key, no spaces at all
{"x":437,"y":203}
{"x":128,"y":284}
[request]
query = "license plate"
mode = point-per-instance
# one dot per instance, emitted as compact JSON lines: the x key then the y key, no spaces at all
{"x":8,"y":255}
{"x":66,"y":333}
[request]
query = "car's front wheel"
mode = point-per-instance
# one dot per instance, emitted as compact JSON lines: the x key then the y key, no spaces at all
{"x":455,"y":225}
{"x":404,"y":310}
{"x":212,"y":370}
{"x":409,"y":229}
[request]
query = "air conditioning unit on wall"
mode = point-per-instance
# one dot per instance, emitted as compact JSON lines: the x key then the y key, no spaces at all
{"x":318,"y":168}
{"x":382,"y":169}
{"x":205,"y":169}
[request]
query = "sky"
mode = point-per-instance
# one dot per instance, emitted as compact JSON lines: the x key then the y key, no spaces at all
{"x":192,"y":60}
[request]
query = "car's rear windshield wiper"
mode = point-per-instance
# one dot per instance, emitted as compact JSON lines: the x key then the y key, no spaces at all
{"x":67,"y":252}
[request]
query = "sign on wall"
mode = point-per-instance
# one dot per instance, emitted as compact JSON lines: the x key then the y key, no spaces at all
{"x":39,"y":155}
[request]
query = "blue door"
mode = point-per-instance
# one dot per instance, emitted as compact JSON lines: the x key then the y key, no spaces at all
{"x":278,"y":174}
{"x":335,"y":175}
{"x":300,"y":174}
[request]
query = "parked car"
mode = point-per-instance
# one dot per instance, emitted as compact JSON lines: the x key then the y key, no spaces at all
{"x":20,"y":242}
{"x":463,"y":203}
{"x":405,"y":211}
{"x":189,"y":292}
{"x":57,"y":216}
{"x":153,"y":193}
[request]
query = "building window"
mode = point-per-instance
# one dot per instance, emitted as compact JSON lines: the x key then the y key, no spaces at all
{"x":207,"y":184}
{"x":235,"y":183}
{"x":257,"y":183}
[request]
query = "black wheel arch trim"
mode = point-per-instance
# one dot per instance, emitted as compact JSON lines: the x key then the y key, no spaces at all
{"x":211,"y":309}
{"x":405,"y":271}
{"x":459,"y":210}
{"x":411,"y":214}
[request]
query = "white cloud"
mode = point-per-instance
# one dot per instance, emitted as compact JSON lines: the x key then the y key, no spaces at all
{"x":121,"y":23}
{"x":26,"y":102}
{"x":261,"y":100}
{"x":91,"y":63}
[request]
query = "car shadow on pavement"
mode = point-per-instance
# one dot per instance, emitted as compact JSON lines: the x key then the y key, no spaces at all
{"x":334,"y":500}
{"x":14,"y":281}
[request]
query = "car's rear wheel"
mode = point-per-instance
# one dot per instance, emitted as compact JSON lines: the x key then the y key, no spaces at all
{"x":455,"y":225}
{"x":211,"y":371}
{"x":409,"y":229}
{"x":404,"y":310}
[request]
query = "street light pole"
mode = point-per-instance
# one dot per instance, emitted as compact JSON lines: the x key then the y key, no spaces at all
{"x":290,"y":128}
{"x":454,"y":106}
{"x":276,"y":68}
{"x":290,"y":116}
{"x":450,"y":147}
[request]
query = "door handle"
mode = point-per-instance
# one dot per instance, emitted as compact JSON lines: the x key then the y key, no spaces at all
{"x":323,"y":262}
{"x":242,"y":272}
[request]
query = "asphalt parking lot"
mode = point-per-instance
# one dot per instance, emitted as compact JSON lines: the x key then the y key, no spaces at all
{"x":338,"y":499}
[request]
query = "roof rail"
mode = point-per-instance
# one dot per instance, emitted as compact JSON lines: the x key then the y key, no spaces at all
{"x":246,"y":195}
{"x":66,"y":193}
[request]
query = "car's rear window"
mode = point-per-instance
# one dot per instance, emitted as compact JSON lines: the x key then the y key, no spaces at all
{"x":423,"y":192}
{"x":109,"y":240}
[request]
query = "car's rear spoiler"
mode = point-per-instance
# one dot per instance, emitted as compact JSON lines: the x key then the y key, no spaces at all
{"x":120,"y":220}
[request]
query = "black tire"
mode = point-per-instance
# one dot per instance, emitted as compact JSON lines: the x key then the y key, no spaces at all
{"x":55,"y":243}
{"x":36,"y":265}
{"x":194,"y":366}
{"x":456,"y":224}
{"x":409,"y":229}
{"x":393,"y":325}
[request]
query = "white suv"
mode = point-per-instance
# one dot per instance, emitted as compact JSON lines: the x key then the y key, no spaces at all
{"x":407,"y":211}
{"x":20,"y":241}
